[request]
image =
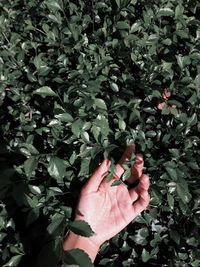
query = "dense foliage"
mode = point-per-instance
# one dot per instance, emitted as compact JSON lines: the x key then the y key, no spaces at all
{"x":80,"y":80}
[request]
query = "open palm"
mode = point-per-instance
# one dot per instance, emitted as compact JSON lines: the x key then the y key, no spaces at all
{"x":109,"y":209}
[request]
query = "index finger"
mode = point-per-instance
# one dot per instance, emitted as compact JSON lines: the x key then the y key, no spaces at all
{"x":136,"y":169}
{"x":125,"y":157}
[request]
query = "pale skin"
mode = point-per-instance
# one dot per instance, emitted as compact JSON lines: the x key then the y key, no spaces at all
{"x":109,"y":209}
{"x":165,"y":96}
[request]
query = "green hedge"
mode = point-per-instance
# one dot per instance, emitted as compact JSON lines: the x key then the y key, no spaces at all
{"x":80,"y":80}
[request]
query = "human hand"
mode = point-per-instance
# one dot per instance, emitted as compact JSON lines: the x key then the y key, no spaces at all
{"x":164,"y":101}
{"x":109,"y":209}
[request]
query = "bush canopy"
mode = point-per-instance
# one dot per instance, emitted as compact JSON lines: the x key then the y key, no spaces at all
{"x":79,"y":81}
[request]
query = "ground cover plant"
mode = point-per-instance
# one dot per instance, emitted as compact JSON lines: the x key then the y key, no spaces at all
{"x":79,"y":81}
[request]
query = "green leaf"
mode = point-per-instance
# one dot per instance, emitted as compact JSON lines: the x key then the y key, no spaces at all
{"x":54,"y":5}
{"x":77,"y":127}
{"x":77,"y":257}
{"x":140,"y":236}
{"x":170,"y":200}
{"x":84,"y":166}
{"x":56,"y":168}
{"x":38,"y":62}
{"x":65,"y":117}
{"x":126,"y":174}
{"x":193,"y":120}
{"x":165,"y":110}
{"x":114,"y":87}
{"x":175,"y":236}
{"x":55,"y":18}
{"x":118,"y":2}
{"x":81,"y":227}
{"x":182,"y":33}
{"x":14,"y":261}
{"x":135,"y":27}
{"x":30,"y":149}
{"x":30,"y":165}
{"x":151,"y":133}
{"x":117,"y":182}
{"x":193,"y":99}
{"x":100,"y":103}
{"x":122,"y":25}
{"x":179,"y":11}
{"x":165,"y":12}
{"x":183,"y":193}
{"x":145,"y":255}
{"x":122,"y":124}
{"x":45,"y":91}
{"x":109,"y":176}
{"x":172,"y":173}
{"x":167,"y":41}
{"x":85,"y":136}
{"x":180,"y":61}
{"x":102,"y":122}
{"x":96,"y":132}
{"x":56,"y":225}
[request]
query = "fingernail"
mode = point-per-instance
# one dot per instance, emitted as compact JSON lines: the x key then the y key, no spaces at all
{"x":138,"y":160}
{"x":107,"y":162}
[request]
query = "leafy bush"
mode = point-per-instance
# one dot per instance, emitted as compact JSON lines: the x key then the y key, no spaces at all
{"x":80,"y":80}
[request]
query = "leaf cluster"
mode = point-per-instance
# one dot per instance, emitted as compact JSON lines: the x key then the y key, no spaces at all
{"x":79,"y":81}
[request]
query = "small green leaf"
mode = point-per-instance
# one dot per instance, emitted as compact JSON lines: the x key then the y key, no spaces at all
{"x":126,"y":174}
{"x":117,"y":182}
{"x":135,"y":27}
{"x":81,"y":227}
{"x":167,"y":41}
{"x":145,"y":255}
{"x":56,"y":168}
{"x":56,"y":18}
{"x":193,"y":120}
{"x":179,"y":11}
{"x":165,"y":12}
{"x":85,"y":136}
{"x":172,"y":173}
{"x":96,"y":132}
{"x":109,"y":176}
{"x":182,"y":193}
{"x":114,"y":87}
{"x":54,"y":5}
{"x":156,"y":93}
{"x":77,"y":257}
{"x":45,"y":91}
{"x":118,"y":2}
{"x":140,"y":236}
{"x":180,"y":61}
{"x":30,"y":165}
{"x":151,"y":134}
{"x":175,"y":236}
{"x":56,"y":224}
{"x":14,"y":261}
{"x":122,"y":25}
{"x":182,"y":33}
{"x":165,"y":110}
{"x":100,"y":103}
{"x":28,"y":149}
{"x":170,"y":200}
{"x":76,"y":127}
{"x":122,"y":124}
{"x":65,"y":117}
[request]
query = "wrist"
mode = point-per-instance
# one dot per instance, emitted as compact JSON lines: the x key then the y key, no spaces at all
{"x":85,"y":243}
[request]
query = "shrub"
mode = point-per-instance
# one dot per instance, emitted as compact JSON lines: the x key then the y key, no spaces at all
{"x":80,"y":80}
